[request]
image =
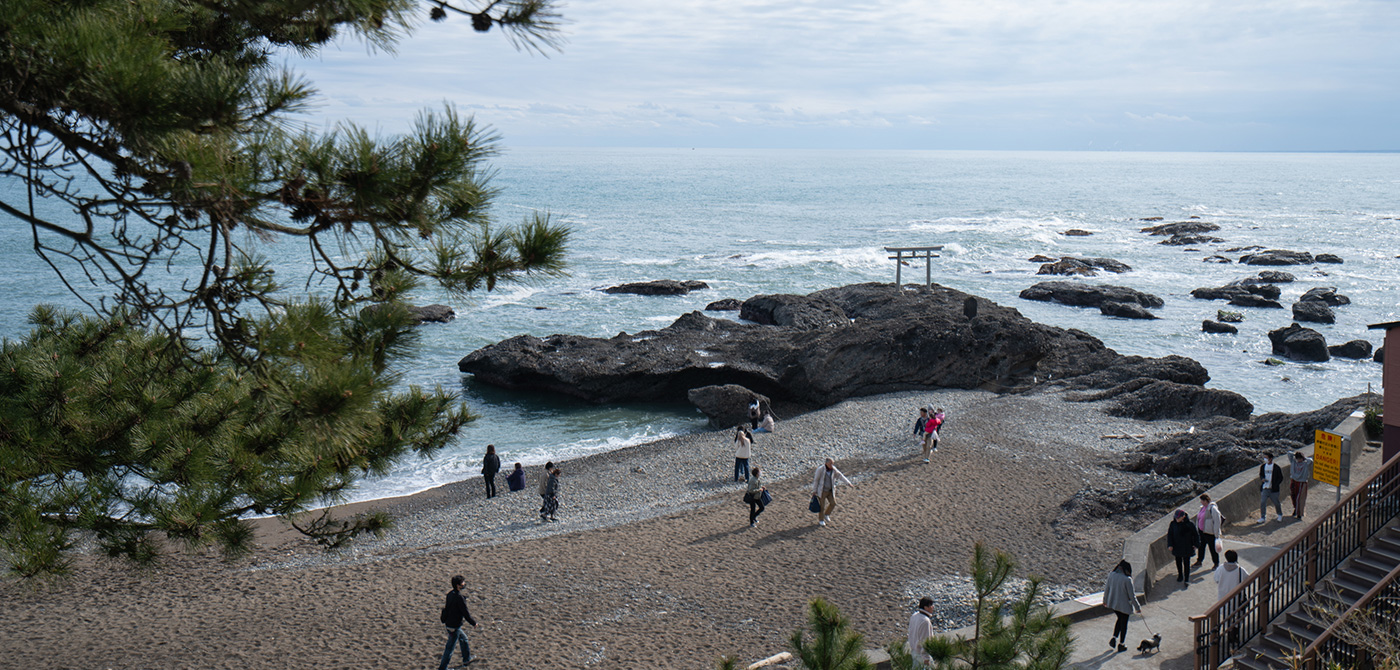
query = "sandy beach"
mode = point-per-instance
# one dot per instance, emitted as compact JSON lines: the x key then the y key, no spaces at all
{"x":652,"y":564}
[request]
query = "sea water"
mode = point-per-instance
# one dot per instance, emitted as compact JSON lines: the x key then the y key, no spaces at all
{"x":782,"y":221}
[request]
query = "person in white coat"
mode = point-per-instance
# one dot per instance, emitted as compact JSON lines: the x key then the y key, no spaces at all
{"x":824,"y":489}
{"x":1227,"y":577}
{"x":920,"y":629}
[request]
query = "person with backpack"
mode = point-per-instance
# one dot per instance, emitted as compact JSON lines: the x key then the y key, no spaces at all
{"x":490,"y":465}
{"x":454,"y":611}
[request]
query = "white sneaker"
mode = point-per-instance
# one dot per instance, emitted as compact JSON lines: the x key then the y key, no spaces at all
{"x":1280,"y":517}
{"x":1263,"y":519}
{"x":925,"y":460}
{"x":821,"y":523}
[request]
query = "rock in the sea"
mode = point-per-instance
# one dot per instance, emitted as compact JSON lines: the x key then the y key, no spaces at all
{"x":1328,"y":258}
{"x":1182,"y":228}
{"x":1040,"y":258}
{"x":1075,"y":232}
{"x":1186,"y":240}
{"x":1217,"y":327}
{"x":1262,"y":289}
{"x":1278,"y":257}
{"x":1315,"y":311}
{"x":798,"y":311}
{"x":1126,"y":310}
{"x":1226,"y":316}
{"x":724,"y":305}
{"x":658,"y":287}
{"x":727,"y":405}
{"x":1326,"y":294}
{"x":1218,"y":293}
{"x":1380,"y":355}
{"x":1274,"y":277}
{"x":1251,"y":300}
{"x":1086,"y":267}
{"x":1088,"y":295}
{"x":1299,"y":343}
{"x":1150,"y":218}
{"x":1216,"y":259}
{"x":896,"y":339}
{"x":425,"y":314}
{"x":1220,"y":448}
{"x":1358,"y":349}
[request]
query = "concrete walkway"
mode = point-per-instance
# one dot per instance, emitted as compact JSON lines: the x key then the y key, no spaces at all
{"x":1170,"y":604}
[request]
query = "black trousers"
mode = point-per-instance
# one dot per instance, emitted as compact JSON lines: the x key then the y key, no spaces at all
{"x":1120,"y":627}
{"x":755,"y":509}
{"x":490,"y":485}
{"x":1183,"y":565}
{"x":1207,"y":542}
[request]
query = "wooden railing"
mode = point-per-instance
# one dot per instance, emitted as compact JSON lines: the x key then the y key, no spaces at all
{"x":1382,"y":603}
{"x":1247,"y":610}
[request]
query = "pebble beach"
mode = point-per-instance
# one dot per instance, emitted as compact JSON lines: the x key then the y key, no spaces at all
{"x":651,"y":564}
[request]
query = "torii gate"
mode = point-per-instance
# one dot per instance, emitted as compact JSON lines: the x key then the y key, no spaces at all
{"x":925,"y":253}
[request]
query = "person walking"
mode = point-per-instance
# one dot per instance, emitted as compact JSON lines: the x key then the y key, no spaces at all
{"x":919,"y":424}
{"x":551,"y":495}
{"x":1209,"y":523}
{"x":1299,"y":475}
{"x":920,"y":629}
{"x":935,"y":421}
{"x":743,"y":451}
{"x":515,"y":481}
{"x":824,"y":489}
{"x":543,"y":488}
{"x":1227,"y":577}
{"x":1182,"y":538}
{"x":454,"y":612}
{"x":1118,"y":596}
{"x":1270,"y":478}
{"x":490,"y":465}
{"x":754,"y":497}
{"x":755,"y":413}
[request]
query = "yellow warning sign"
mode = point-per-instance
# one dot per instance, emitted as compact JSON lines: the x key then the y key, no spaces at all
{"x":1327,"y":458}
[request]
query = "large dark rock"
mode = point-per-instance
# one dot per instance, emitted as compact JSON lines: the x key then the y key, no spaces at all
{"x":895,"y":339}
{"x":1278,"y":257}
{"x":1177,"y":369}
{"x":1187,"y":240}
{"x":1087,"y":295}
{"x":1182,"y":228}
{"x":1219,"y":292}
{"x":798,"y":311}
{"x":1328,"y":258}
{"x":1259,"y":288}
{"x":724,"y":305}
{"x":1299,"y":343}
{"x":1221,"y":448}
{"x":1251,"y":300}
{"x":1157,"y":399}
{"x":658,"y":287}
{"x":1217,"y":327}
{"x":1216,"y":259}
{"x":1076,"y":232}
{"x":1358,"y":349}
{"x":1125,"y":310}
{"x":1274,"y":277}
{"x":425,"y":314}
{"x":727,"y":405}
{"x":1087,"y":267}
{"x":1040,"y":258}
{"x":1135,"y":507}
{"x":1315,"y":311}
{"x":1380,"y":355}
{"x":1326,"y":294}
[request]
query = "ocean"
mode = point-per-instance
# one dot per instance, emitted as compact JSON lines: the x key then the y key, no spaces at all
{"x":786,"y":221}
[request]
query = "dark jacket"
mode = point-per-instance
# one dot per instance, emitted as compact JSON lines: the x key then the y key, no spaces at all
{"x":919,"y":424}
{"x":516,"y":480}
{"x":490,"y":465}
{"x":1182,"y":537}
{"x":457,"y":610}
{"x":1278,"y":477}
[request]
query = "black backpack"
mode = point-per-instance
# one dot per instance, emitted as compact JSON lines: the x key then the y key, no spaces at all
{"x":443,"y":617}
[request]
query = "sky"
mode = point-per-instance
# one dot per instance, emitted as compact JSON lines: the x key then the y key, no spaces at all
{"x":1113,"y":75}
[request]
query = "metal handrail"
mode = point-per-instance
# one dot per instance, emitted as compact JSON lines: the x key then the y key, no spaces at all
{"x":1247,"y":610}
{"x":1313,"y":653}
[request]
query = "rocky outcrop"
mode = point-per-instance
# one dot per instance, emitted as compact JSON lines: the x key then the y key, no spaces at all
{"x":1358,"y":349}
{"x":1325,"y":294}
{"x":1140,"y":505}
{"x":658,"y":287}
{"x":798,"y":311}
{"x":1251,"y":300}
{"x":895,"y":339}
{"x":1169,"y":400}
{"x":1088,"y":295}
{"x":1299,"y":343}
{"x":1182,"y":228}
{"x":1380,"y":355}
{"x":1125,"y":310}
{"x":724,"y":305}
{"x":425,"y":314}
{"x":1177,"y":369}
{"x":1216,"y":259}
{"x":1278,"y":257}
{"x":727,"y":405}
{"x":1075,"y":232}
{"x":1222,"y":447}
{"x":1087,"y":267}
{"x":1328,"y":258}
{"x":1040,"y":258}
{"x":1234,"y":290}
{"x":1217,"y":327}
{"x":1274,"y":277}
{"x":1261,"y":289}
{"x":1315,"y":311}
{"x":1187,"y":240}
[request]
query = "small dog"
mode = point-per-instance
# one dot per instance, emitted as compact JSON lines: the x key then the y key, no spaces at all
{"x":1151,"y":645}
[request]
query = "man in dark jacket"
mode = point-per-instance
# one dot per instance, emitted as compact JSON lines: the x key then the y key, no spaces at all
{"x":453,"y":612}
{"x":1270,"y":479}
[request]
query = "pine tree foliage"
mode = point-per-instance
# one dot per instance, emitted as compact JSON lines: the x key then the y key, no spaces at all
{"x":834,"y":646}
{"x":158,"y":146}
{"x":109,"y":430}
{"x":1011,"y":634}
